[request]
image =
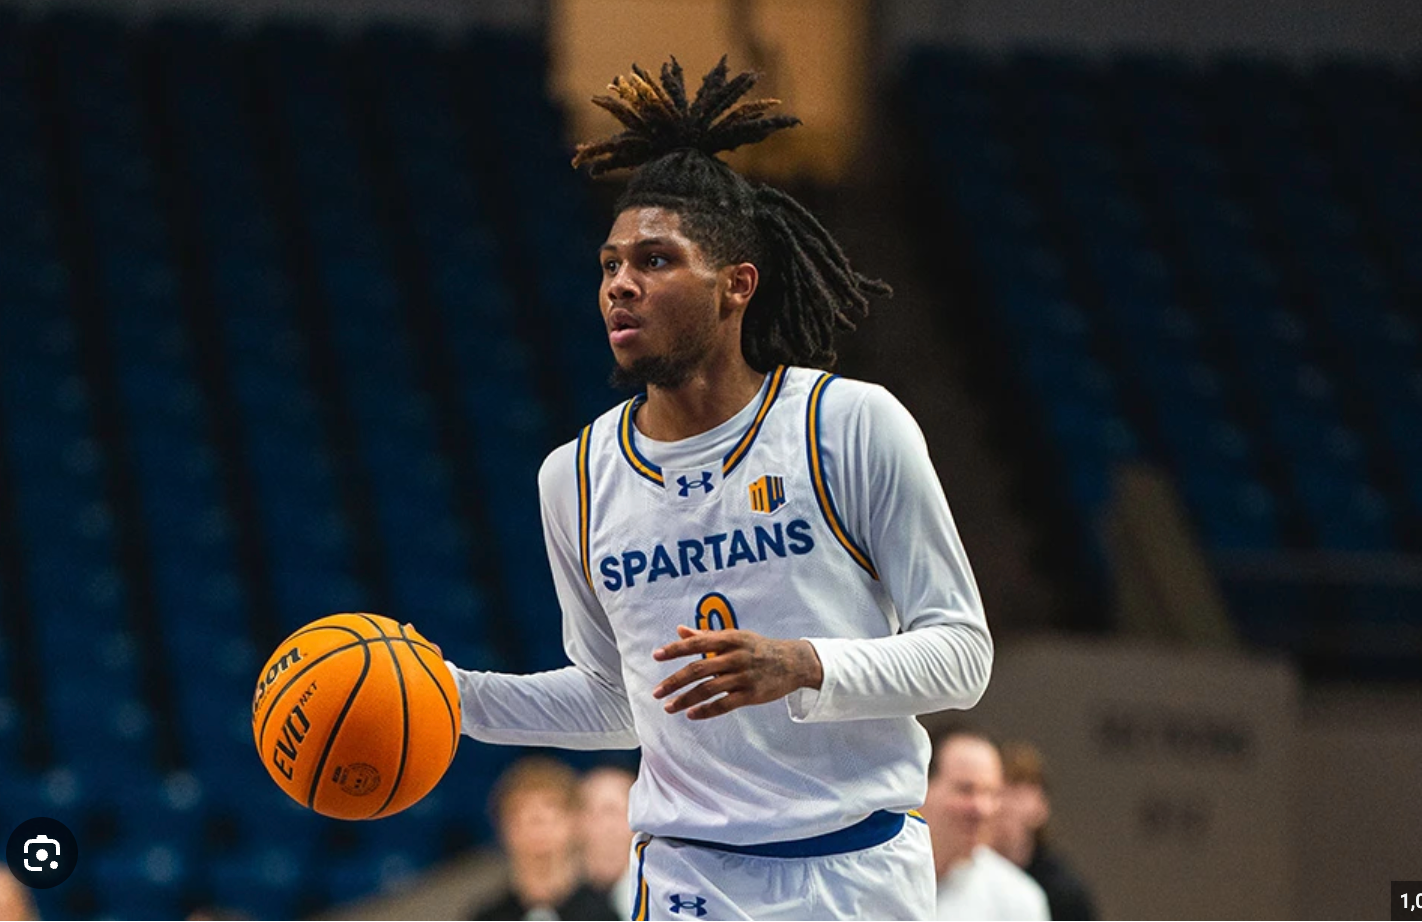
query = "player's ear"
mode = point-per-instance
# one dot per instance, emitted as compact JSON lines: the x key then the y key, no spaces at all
{"x":741,"y":280}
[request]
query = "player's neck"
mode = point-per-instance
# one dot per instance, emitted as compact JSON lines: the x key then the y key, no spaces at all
{"x":710,"y":396}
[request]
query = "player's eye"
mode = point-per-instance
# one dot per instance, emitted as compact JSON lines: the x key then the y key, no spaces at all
{"x":609,"y":266}
{"x":657,"y":261}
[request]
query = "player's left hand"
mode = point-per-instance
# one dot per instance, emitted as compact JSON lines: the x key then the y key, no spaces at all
{"x":742,"y":667}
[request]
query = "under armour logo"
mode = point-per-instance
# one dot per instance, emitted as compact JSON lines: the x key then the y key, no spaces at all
{"x":688,"y":485}
{"x":695,"y":905}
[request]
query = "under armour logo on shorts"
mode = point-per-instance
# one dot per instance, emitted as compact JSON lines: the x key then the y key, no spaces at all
{"x":693,"y":905}
{"x":702,"y":484}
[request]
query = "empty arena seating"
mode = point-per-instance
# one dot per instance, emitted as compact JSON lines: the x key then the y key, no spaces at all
{"x":289,"y":326}
{"x":291,"y":318}
{"x":1212,"y":267}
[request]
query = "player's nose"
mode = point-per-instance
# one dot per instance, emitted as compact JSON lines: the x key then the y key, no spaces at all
{"x":621,"y":286}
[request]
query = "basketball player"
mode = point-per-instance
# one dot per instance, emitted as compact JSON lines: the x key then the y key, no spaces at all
{"x":760,"y":579}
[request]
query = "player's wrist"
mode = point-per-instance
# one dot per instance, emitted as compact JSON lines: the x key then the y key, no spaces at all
{"x":811,"y":670}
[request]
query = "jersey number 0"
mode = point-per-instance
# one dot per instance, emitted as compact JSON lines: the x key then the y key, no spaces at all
{"x":714,"y":613}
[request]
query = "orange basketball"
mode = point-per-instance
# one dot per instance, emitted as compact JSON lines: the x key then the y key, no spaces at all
{"x":356,"y":716}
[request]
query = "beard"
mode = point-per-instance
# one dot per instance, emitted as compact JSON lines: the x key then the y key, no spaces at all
{"x":667,"y":371}
{"x":670,"y":370}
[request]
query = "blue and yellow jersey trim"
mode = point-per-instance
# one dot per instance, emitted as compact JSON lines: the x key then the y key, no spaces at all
{"x":737,"y":455}
{"x":585,"y":502}
{"x":627,"y":433}
{"x":628,"y":442}
{"x":639,"y":901}
{"x":821,"y":482}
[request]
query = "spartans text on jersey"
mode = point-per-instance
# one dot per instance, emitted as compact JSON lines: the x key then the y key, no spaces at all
{"x":712,"y":553}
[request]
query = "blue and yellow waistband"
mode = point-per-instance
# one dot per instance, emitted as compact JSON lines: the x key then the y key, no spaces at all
{"x":875,"y":829}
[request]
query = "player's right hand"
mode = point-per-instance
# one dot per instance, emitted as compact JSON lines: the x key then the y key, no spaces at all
{"x":739,"y":668}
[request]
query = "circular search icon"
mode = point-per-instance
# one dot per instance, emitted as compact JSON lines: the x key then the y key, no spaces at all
{"x":42,"y":852}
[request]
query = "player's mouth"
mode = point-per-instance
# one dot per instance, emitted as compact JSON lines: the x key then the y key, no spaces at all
{"x":622,"y":326}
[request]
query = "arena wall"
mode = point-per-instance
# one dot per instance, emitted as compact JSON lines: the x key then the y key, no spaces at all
{"x":1391,"y":28}
{"x":1191,"y":784}
{"x":1293,"y":27}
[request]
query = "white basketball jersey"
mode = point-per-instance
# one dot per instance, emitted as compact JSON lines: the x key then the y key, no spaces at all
{"x":746,"y":536}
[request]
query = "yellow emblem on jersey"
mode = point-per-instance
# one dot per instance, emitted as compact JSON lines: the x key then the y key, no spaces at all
{"x":767,"y":494}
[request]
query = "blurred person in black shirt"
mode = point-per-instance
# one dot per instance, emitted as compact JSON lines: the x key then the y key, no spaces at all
{"x":606,"y":835}
{"x":535,"y":807}
{"x":1019,"y":832}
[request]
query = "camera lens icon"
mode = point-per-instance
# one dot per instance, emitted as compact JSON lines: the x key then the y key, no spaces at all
{"x":42,"y":852}
{"x":36,"y":846}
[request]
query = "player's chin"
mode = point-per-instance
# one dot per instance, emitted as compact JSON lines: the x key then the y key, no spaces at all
{"x":628,"y":355}
{"x":627,"y":372}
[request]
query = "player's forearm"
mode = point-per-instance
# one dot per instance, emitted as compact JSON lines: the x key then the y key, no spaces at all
{"x":566,"y":708}
{"x":931,"y":669}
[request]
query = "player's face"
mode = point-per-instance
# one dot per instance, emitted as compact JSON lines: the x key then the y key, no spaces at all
{"x":966,"y":791}
{"x":659,"y":298}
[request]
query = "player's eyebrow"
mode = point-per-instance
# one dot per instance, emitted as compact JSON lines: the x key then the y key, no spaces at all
{"x":635,"y":244}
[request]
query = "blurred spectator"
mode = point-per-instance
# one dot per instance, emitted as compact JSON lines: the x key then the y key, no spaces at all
{"x":606,"y":835}
{"x":535,"y":810}
{"x":1020,"y":833}
{"x":16,"y":900}
{"x":964,"y":792}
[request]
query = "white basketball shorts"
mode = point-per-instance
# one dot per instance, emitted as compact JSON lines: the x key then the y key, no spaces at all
{"x":881,"y":868}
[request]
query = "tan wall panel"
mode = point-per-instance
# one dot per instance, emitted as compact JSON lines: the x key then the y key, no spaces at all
{"x":1171,"y":770}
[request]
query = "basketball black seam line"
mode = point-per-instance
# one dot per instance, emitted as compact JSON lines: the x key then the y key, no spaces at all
{"x":341,"y":627}
{"x":319,"y":626}
{"x":336,"y":729}
{"x":361,"y":641}
{"x":405,"y":723}
{"x":449,"y":708}
{"x":303,"y":670}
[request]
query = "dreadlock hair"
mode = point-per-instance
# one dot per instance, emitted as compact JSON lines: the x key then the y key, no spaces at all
{"x":807,"y":292}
